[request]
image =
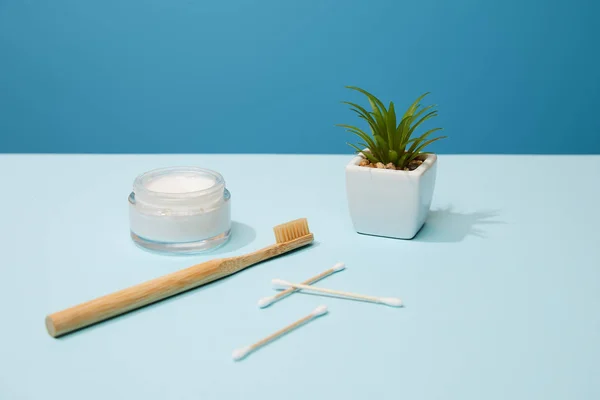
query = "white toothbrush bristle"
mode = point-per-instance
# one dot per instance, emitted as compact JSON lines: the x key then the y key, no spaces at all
{"x":319,"y":311}
{"x":391,"y":301}
{"x":339,"y":266}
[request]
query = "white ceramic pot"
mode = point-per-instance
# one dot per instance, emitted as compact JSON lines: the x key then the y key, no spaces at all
{"x":391,"y":203}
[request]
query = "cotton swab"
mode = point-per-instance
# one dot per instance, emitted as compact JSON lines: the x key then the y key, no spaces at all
{"x":390,"y":301}
{"x":267,"y":301}
{"x":244,"y":351}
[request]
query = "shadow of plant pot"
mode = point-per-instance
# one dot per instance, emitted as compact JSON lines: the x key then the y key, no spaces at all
{"x":446,"y":225}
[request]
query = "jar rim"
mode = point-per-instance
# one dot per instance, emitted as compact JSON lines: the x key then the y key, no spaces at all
{"x":139,"y":184}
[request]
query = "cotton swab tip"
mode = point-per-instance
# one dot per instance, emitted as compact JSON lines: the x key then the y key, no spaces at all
{"x":339,"y":267}
{"x":240,"y":353}
{"x":280,"y":284}
{"x":266,"y":301}
{"x":391,"y":301}
{"x":319,"y":311}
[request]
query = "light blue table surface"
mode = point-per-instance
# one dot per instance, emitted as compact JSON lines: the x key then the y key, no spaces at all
{"x":502,"y":285}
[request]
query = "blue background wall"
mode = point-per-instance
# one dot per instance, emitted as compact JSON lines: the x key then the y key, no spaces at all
{"x":163,"y":76}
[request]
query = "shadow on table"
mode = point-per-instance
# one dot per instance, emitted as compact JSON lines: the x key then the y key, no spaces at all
{"x":241,"y":236}
{"x":446,"y":225}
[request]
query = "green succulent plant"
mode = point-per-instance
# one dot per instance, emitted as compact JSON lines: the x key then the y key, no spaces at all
{"x":391,"y":139}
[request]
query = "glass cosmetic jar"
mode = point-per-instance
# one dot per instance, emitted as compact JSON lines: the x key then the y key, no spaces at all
{"x":180,"y":210}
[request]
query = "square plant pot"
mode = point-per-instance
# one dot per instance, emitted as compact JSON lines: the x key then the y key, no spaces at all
{"x":390,"y":203}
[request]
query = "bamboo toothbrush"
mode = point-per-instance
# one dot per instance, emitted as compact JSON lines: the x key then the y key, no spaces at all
{"x":289,"y":236}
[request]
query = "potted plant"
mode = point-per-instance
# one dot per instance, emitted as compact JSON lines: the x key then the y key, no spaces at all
{"x":389,"y":184}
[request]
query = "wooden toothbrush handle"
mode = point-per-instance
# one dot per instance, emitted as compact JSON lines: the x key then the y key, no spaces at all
{"x":137,"y":296}
{"x":157,"y":289}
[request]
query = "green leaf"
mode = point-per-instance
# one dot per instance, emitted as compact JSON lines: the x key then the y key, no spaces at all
{"x":393,"y":156}
{"x":379,"y":111}
{"x":411,"y":110}
{"x":376,"y":109}
{"x":381,"y":142}
{"x":402,"y":160}
{"x":421,"y":138}
{"x":354,"y":128}
{"x":427,"y":143}
{"x":371,"y":98}
{"x":364,"y":153}
{"x":402,"y":133}
{"x":364,"y":148}
{"x":391,"y":125}
{"x":360,"y":110}
{"x":360,"y":133}
{"x":372,"y":125}
{"x":422,"y":110}
{"x":370,"y":120}
{"x":423,"y":119}
{"x":380,"y":124}
{"x":383,"y":148}
{"x":370,"y":143}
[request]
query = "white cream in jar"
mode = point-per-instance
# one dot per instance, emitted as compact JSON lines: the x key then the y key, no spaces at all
{"x":180,"y":210}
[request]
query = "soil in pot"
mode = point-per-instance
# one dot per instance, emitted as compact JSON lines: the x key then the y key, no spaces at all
{"x":411,"y":166}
